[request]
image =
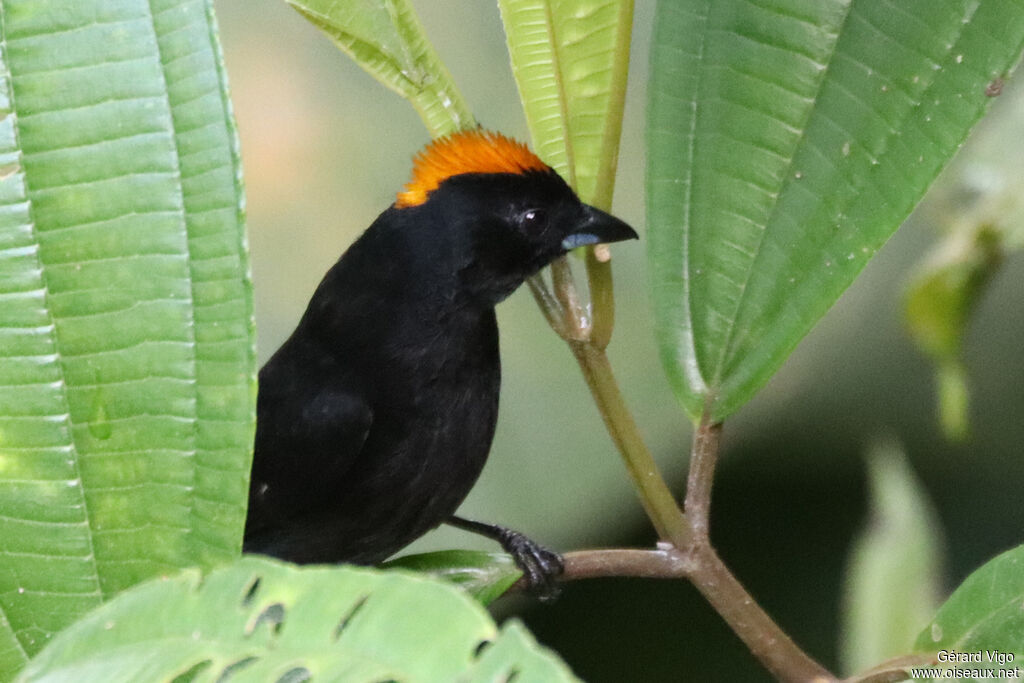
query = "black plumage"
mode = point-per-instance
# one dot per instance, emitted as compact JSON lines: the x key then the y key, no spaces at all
{"x":376,"y":416}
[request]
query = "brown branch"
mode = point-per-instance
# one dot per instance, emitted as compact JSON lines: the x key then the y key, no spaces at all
{"x":692,"y":557}
{"x":702,"y":567}
{"x":663,"y":563}
{"x":765,"y":639}
{"x":703,"y":459}
{"x":893,"y":670}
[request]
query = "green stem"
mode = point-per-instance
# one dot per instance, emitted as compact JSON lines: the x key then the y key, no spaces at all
{"x":691,"y":555}
{"x":575,"y":325}
{"x":657,"y":499}
{"x":547,"y":303}
{"x":602,"y":295}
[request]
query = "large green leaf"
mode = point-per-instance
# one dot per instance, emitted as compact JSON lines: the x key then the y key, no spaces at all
{"x":787,"y":139}
{"x":895,"y":565}
{"x":126,"y":354}
{"x":570,"y":59}
{"x":385,"y":38}
{"x":261,"y":620}
{"x":984,"y":615}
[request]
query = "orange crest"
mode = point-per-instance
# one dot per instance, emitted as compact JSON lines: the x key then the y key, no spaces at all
{"x":468,"y":151}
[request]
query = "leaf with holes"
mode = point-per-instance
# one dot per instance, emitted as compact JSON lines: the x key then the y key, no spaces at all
{"x":787,"y":140}
{"x":570,"y":61}
{"x":386,"y":38}
{"x":126,"y":345}
{"x":262,"y":620}
{"x":485,"y":576}
{"x":985,"y":614}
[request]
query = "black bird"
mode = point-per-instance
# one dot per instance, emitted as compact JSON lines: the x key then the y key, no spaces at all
{"x":376,"y":416}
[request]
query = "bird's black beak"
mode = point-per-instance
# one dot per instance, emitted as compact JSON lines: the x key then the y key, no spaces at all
{"x":597,"y":227}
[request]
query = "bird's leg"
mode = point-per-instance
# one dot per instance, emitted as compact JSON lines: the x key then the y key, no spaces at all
{"x":540,"y":566}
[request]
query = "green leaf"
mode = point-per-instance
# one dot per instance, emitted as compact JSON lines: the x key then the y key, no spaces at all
{"x":947,"y":287}
{"x":570,"y":61}
{"x":126,"y":342}
{"x":787,"y":140}
{"x":485,"y":576}
{"x":262,"y":620}
{"x":894,"y":571}
{"x":985,"y":614}
{"x":504,"y":659}
{"x":386,"y":39}
{"x":941,"y":296}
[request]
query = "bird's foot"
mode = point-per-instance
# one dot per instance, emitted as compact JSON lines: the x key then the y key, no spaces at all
{"x":541,"y":567}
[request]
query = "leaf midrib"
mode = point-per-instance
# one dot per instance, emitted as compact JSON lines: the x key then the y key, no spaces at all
{"x":851,"y":197}
{"x":785,"y":179}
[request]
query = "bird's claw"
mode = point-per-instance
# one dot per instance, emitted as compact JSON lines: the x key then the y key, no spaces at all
{"x":541,"y":567}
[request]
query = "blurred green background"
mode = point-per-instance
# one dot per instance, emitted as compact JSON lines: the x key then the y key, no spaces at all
{"x":324,"y":150}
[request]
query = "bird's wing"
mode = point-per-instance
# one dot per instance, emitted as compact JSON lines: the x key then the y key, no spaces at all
{"x":308,"y":435}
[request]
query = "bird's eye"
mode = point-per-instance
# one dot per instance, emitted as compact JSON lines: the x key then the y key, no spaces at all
{"x":533,"y":221}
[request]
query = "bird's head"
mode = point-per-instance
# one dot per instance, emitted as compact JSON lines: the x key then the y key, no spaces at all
{"x":506,"y":213}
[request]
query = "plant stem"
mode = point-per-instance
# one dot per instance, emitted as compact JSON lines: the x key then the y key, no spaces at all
{"x":568,"y":299}
{"x":664,"y":563}
{"x":565,"y":315}
{"x":704,"y":568}
{"x":894,"y":670}
{"x":765,"y":639}
{"x":762,"y":636}
{"x":657,"y":499}
{"x":690,"y":554}
{"x":547,"y":303}
{"x":602,"y":295}
{"x":703,"y":459}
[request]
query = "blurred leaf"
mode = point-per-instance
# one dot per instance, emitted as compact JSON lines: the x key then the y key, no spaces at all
{"x":263,"y":620}
{"x":787,"y":140}
{"x":485,"y":576}
{"x":954,"y":399}
{"x":126,"y":343}
{"x":985,"y":614}
{"x":941,"y":296}
{"x":892,"y":580}
{"x":385,"y":38}
{"x":570,"y":59}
